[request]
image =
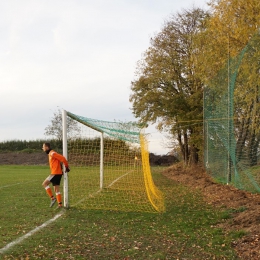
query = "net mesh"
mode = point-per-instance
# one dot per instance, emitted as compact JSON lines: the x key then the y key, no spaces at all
{"x":231,"y":120}
{"x":127,"y":183}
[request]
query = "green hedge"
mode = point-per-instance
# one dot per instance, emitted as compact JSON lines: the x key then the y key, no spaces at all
{"x":26,"y":146}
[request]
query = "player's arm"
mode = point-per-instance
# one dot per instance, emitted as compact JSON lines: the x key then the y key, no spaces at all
{"x":62,"y":159}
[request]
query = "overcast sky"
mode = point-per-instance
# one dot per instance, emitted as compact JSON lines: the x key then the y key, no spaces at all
{"x":79,"y":55}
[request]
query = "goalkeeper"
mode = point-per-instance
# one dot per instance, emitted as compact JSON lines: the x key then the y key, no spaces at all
{"x":55,"y":161}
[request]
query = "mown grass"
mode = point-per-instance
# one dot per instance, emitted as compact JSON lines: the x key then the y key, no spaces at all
{"x":187,"y":230}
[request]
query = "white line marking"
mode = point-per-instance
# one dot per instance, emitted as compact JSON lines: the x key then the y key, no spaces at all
{"x":95,"y":193}
{"x":118,"y":179}
{"x":6,"y":186}
{"x":89,"y":196}
{"x":20,"y":239}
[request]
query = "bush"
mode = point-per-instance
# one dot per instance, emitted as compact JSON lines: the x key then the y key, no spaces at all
{"x":28,"y":146}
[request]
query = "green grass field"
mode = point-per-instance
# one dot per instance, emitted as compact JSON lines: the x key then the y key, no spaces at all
{"x":187,"y":230}
{"x":124,"y":184}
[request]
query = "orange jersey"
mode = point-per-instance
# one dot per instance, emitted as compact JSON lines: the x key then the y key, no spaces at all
{"x":55,"y":160}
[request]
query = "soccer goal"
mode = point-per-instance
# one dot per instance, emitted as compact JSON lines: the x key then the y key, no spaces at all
{"x":109,"y":167}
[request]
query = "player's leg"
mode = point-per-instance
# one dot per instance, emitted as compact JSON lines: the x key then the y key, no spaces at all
{"x":46,"y":186}
{"x":58,"y":194}
{"x":56,"y":184}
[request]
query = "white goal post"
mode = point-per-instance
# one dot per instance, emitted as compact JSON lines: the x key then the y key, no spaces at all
{"x":110,"y":166}
{"x":65,"y":154}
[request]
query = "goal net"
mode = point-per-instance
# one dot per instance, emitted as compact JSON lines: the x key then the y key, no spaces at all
{"x":110,"y":167}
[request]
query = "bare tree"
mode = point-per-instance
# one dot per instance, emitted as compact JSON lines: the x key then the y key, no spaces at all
{"x":55,"y":127}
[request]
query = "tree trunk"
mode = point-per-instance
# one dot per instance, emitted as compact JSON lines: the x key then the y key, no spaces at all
{"x":194,"y":157}
{"x":252,"y":149}
{"x":186,"y":148}
{"x":183,"y":144}
{"x":180,"y":143}
{"x":243,"y":132}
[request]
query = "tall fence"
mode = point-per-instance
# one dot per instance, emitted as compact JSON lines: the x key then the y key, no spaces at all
{"x":232,"y":122}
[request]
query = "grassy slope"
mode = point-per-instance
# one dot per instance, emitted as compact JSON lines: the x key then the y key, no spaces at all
{"x":186,"y":231}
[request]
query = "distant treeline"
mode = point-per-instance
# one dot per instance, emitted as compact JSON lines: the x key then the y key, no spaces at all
{"x":116,"y":146}
{"x":28,"y":146}
{"x":78,"y":144}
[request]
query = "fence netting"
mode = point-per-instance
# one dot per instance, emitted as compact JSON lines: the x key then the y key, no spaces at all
{"x":231,"y":120}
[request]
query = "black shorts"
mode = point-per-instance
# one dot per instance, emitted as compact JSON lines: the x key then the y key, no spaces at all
{"x":55,"y":179}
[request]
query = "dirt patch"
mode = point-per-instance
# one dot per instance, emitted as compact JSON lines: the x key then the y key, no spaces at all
{"x":19,"y":158}
{"x":245,"y":207}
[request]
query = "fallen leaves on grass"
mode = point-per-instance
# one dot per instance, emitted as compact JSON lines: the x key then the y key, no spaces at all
{"x":243,"y":207}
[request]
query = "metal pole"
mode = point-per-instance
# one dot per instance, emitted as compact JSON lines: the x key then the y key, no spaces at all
{"x":207,"y":127}
{"x":229,"y":118}
{"x":65,"y":154}
{"x":101,"y":160}
{"x":205,"y":134}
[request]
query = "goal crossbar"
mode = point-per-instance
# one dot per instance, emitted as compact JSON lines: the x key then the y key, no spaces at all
{"x":120,"y":154}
